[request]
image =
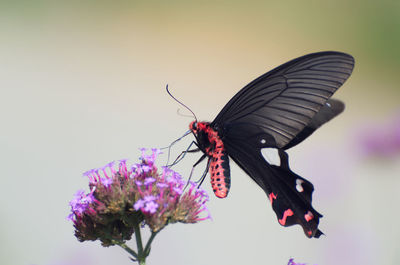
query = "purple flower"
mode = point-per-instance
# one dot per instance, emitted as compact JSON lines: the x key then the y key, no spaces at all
{"x":145,"y":168}
{"x":91,"y":175}
{"x":149,"y":198}
{"x":80,"y":203}
{"x":178,"y":190}
{"x":147,"y":204}
{"x":149,"y":181}
{"x":103,"y":169}
{"x":291,"y":262}
{"x":138,"y":183}
{"x":156,"y":152}
{"x":107,"y":182}
{"x":143,"y":150}
{"x":167,"y":171}
{"x":111,"y":164}
{"x":162,"y":185}
{"x":122,"y":161}
{"x":381,"y":139}
{"x":139,"y":193}
{"x":139,"y":204}
{"x":87,"y":173}
{"x":151,"y":207}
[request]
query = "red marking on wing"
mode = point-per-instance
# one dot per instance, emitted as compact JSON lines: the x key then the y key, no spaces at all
{"x":308,"y":216}
{"x":286,"y":214}
{"x":272,"y":197}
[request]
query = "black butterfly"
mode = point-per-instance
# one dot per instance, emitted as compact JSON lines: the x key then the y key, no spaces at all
{"x":278,"y":110}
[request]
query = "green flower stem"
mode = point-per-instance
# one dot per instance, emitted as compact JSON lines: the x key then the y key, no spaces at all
{"x":141,"y":255}
{"x":127,"y":249}
{"x":148,"y":245}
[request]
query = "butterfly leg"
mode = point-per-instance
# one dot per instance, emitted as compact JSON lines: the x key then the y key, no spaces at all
{"x":195,"y":164}
{"x":174,"y":142}
{"x":204,"y":173}
{"x":182,"y":155}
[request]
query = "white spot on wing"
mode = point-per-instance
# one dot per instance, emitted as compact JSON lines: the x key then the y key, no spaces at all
{"x":263,"y":141}
{"x":328,"y":104}
{"x":299,"y":187}
{"x":271,"y":156}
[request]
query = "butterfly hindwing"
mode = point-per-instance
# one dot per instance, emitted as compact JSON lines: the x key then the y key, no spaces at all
{"x":290,"y":195}
{"x":297,"y":193}
{"x":331,"y":109}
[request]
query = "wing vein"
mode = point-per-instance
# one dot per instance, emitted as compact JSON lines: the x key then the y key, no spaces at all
{"x":301,"y":99}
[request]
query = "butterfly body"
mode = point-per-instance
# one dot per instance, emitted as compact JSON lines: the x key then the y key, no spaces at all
{"x":211,"y":144}
{"x":278,"y":110}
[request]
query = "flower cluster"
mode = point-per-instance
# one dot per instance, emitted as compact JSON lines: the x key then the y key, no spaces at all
{"x":123,"y":197}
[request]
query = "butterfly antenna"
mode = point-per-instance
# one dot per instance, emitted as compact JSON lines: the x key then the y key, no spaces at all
{"x":178,"y":111}
{"x":186,"y":107}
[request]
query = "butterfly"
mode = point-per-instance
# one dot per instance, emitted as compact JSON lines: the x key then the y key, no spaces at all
{"x":277,"y":110}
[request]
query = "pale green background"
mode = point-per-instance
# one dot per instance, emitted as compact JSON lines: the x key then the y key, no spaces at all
{"x":82,"y":83}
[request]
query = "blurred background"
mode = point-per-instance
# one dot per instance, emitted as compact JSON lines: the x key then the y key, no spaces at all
{"x":83,"y":83}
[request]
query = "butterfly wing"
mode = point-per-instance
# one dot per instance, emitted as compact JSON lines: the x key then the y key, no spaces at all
{"x":289,"y":194}
{"x":280,"y":104}
{"x":280,"y":109}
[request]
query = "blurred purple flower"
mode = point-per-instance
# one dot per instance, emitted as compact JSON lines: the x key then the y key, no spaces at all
{"x":291,"y":262}
{"x":162,"y":185}
{"x":106,"y":181}
{"x":150,"y":207}
{"x":149,"y":181}
{"x":381,"y":140}
{"x":139,"y":204}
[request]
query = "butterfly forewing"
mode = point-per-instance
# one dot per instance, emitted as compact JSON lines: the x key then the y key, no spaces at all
{"x":283,"y":101}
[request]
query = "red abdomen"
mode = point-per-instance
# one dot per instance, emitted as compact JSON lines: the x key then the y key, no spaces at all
{"x":211,"y":144}
{"x":220,"y":173}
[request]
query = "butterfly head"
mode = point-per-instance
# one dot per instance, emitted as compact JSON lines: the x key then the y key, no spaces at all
{"x":197,"y":127}
{"x":193,"y":126}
